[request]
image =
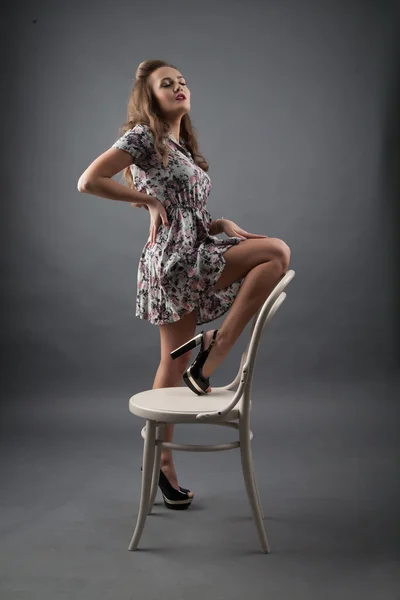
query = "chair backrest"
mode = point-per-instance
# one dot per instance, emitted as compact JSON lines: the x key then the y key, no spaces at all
{"x":262,"y":317}
{"x":246,"y":369}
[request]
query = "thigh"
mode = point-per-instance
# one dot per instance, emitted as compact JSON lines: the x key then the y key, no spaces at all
{"x":175,"y":334}
{"x":246,"y":255}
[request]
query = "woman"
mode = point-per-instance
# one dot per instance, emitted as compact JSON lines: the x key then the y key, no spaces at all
{"x":186,"y":275}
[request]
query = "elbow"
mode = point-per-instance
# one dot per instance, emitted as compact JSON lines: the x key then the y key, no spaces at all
{"x":83,"y":185}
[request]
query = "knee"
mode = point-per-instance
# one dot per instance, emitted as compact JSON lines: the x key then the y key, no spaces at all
{"x":281,"y":254}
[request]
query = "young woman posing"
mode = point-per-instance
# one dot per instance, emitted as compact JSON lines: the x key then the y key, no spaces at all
{"x":186,"y":275}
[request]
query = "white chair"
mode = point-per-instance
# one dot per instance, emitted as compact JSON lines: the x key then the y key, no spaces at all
{"x":229,"y":406}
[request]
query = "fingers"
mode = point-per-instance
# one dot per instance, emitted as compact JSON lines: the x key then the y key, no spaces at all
{"x":154,"y":230}
{"x":153,"y":233}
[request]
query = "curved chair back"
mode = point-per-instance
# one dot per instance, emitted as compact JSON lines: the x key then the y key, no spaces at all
{"x":247,"y":363}
{"x":262,"y":317}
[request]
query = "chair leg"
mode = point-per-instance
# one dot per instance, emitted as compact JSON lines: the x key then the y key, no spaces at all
{"x":249,"y":480}
{"x":148,"y":461}
{"x":156,"y":468}
{"x":258,"y":494}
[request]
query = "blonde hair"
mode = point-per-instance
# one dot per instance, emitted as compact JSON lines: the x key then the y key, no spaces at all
{"x":144,"y":108}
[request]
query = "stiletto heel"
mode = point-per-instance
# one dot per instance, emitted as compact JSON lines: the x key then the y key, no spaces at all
{"x":173,"y":498}
{"x":193,"y":376}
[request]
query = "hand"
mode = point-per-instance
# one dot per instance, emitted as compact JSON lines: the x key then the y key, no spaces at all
{"x":158,"y":215}
{"x":231,"y":229}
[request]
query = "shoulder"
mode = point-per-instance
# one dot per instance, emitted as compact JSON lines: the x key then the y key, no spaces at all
{"x":136,"y":139}
{"x":138,"y":142}
{"x":139,"y":132}
{"x":141,"y":129}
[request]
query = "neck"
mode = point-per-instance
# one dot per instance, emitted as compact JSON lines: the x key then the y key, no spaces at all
{"x":175,"y":127}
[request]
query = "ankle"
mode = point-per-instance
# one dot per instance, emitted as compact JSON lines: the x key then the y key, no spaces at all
{"x":166,"y":460}
{"x":222,"y":343}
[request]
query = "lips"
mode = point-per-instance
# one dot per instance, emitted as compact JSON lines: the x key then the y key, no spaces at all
{"x":180,"y":97}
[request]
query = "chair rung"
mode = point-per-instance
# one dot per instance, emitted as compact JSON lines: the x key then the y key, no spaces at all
{"x":198,"y":447}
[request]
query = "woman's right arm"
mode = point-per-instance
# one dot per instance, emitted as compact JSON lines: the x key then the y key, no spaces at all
{"x":97,"y":179}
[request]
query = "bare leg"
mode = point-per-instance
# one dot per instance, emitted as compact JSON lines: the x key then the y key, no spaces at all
{"x":164,"y":379}
{"x":255,"y":289}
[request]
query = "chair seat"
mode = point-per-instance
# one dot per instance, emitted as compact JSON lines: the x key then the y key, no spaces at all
{"x":180,"y":404}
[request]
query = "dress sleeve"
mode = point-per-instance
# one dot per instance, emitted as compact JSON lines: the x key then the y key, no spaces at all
{"x":138,"y":142}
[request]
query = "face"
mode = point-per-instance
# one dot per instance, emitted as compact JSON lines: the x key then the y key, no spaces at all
{"x":166,"y":84}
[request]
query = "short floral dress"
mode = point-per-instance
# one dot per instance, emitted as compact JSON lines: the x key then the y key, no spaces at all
{"x":178,"y":274}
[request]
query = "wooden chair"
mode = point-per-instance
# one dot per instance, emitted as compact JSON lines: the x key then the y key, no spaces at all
{"x":228,"y":406}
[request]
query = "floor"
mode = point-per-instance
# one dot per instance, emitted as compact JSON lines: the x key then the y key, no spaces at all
{"x":326,"y":457}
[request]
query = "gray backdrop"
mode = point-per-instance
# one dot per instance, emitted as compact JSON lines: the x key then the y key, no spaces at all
{"x":294,"y":104}
{"x":296,"y":108}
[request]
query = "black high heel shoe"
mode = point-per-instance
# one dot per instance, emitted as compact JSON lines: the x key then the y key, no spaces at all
{"x":173,"y":498}
{"x":193,"y":376}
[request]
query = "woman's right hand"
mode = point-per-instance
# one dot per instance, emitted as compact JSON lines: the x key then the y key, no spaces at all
{"x":158,"y":215}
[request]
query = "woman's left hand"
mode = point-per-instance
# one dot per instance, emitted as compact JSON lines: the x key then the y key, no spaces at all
{"x":231,"y":229}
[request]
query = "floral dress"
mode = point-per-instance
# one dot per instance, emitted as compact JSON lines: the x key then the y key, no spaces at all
{"x":177,"y":274}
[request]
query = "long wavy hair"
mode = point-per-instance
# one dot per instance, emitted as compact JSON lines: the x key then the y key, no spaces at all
{"x":144,"y":108}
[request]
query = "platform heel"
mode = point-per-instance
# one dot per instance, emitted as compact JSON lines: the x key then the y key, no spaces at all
{"x":173,"y":498}
{"x":193,"y":376}
{"x":192,"y":343}
{"x":167,"y":489}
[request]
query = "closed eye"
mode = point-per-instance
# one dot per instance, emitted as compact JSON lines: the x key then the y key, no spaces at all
{"x":170,"y":84}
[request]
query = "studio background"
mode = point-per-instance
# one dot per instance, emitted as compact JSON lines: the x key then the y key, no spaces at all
{"x":296,"y":109}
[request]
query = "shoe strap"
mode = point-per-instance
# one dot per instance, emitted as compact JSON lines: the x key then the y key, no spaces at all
{"x":212,"y":341}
